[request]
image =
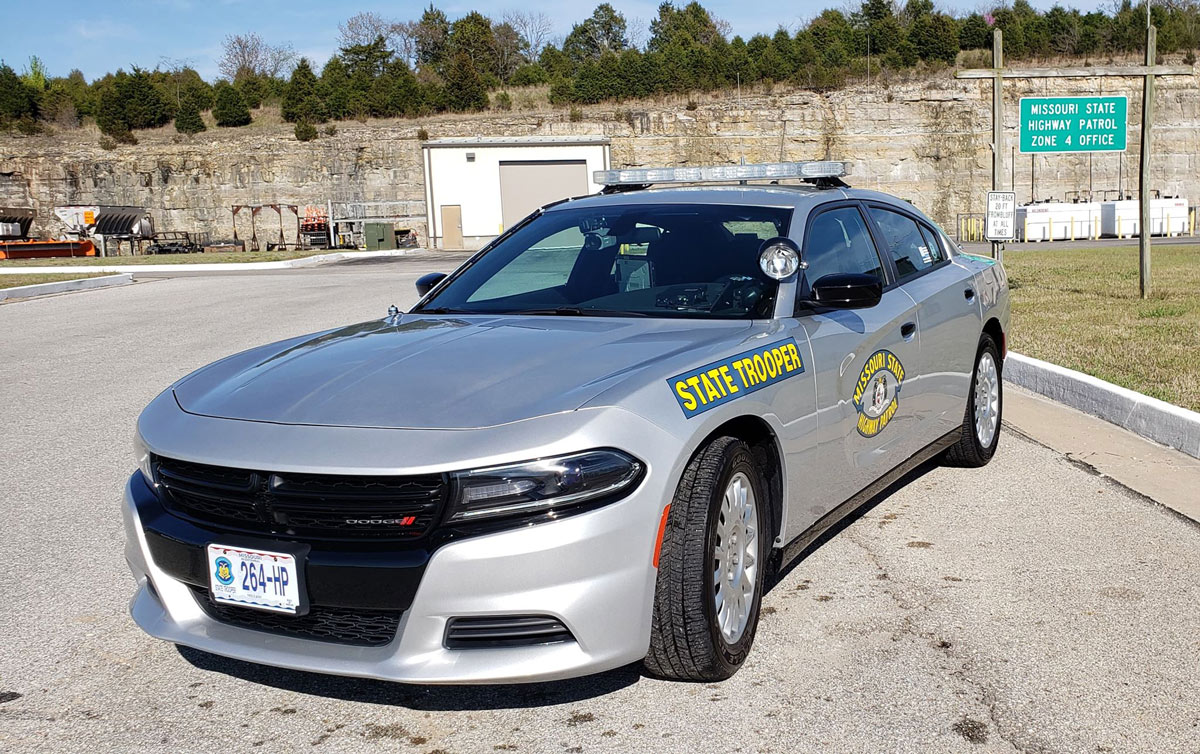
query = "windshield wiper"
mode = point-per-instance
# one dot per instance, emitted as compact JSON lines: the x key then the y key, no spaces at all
{"x":443,"y":310}
{"x":575,"y":311}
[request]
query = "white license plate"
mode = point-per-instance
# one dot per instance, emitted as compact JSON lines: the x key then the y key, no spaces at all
{"x":254,"y":578}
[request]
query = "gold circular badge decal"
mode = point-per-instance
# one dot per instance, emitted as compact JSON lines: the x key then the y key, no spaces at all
{"x":877,"y":393}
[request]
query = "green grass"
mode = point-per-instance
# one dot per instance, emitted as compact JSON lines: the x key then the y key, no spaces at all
{"x":13,"y":281}
{"x":1080,"y":308}
{"x":213,"y":258}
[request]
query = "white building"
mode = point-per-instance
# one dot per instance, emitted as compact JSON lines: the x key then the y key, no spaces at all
{"x":475,"y":188}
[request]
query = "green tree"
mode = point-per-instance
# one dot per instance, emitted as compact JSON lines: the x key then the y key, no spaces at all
{"x":301,"y":98}
{"x":472,"y":36}
{"x":432,"y":33}
{"x":603,"y":32}
{"x":935,"y":37}
{"x":230,"y":109}
{"x":187,"y":119}
{"x":144,"y":106}
{"x":974,"y":33}
{"x":678,"y":26}
{"x":335,"y":88}
{"x":465,"y":90}
{"x":528,"y":75}
{"x":130,"y":101}
{"x":17,"y":99}
{"x":253,"y":88}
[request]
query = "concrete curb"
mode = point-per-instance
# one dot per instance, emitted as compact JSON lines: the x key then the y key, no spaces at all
{"x":64,"y":286}
{"x":1151,"y":418}
{"x":283,"y":264}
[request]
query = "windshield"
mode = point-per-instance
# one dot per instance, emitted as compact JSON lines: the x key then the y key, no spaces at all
{"x":661,"y":260}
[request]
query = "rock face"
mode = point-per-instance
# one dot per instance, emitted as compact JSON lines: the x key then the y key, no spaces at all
{"x":927,"y":141}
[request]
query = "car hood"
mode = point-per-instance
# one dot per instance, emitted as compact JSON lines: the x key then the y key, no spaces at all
{"x":425,"y":372}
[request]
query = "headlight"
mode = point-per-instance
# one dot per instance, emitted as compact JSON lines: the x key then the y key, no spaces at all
{"x":141,"y":456}
{"x":548,"y":485}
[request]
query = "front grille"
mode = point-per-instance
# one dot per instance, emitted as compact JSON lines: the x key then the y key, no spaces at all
{"x":361,"y":628}
{"x":322,"y":506}
{"x":504,"y":631}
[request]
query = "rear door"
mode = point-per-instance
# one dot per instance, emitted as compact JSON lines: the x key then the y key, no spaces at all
{"x":948,"y":316}
{"x":862,"y":359}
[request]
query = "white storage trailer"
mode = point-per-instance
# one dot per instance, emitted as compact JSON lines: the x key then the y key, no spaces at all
{"x":1058,"y":221}
{"x":1122,"y":219}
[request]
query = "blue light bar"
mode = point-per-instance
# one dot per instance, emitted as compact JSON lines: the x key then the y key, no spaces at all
{"x":721,"y":173}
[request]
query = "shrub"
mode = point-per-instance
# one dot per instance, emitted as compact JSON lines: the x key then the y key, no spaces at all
{"x":230,"y":109}
{"x":422,"y":134}
{"x":330,"y":130}
{"x":305,"y":131}
{"x":502,"y":101}
{"x":691,"y":105}
{"x":188,"y":121}
{"x":108,"y":143}
{"x":27,"y":126}
{"x":1189,"y":57}
{"x":575,"y":115}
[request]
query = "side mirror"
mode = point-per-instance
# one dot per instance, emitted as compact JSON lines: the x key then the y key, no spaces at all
{"x":847,"y":290}
{"x":426,"y":283}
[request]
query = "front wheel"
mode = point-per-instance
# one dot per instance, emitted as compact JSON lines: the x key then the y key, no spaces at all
{"x":980,"y":431}
{"x":711,"y":567}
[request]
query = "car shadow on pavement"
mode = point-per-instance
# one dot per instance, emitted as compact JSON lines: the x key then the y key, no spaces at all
{"x":424,"y":698}
{"x":779,"y":575}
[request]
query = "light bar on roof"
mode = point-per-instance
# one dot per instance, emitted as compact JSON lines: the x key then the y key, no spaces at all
{"x":721,"y":173}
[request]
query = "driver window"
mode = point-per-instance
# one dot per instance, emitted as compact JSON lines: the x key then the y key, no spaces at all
{"x":839,"y":242}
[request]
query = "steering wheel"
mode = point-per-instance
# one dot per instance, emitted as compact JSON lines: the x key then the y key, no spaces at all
{"x":741,"y":292}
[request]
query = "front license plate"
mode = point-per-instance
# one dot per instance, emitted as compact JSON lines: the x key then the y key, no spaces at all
{"x":254,"y":578}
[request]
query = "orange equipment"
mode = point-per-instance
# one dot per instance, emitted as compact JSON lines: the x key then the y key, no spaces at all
{"x":46,"y":249}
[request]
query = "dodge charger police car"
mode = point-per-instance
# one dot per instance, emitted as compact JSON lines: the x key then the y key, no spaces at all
{"x":588,"y":446}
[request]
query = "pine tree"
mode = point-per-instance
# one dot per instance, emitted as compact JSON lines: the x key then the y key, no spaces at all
{"x":143,"y":104}
{"x":230,"y":109}
{"x":188,"y":120}
{"x":465,"y":90}
{"x":301,"y":97}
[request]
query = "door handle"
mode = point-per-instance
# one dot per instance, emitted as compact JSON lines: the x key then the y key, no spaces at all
{"x":907,"y":329}
{"x":969,"y":294}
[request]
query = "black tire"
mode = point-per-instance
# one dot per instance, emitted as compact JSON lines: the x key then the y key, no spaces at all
{"x":686,"y":642}
{"x":969,"y":452}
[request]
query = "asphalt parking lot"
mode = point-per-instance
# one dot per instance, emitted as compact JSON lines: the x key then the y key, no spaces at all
{"x":1028,"y":606}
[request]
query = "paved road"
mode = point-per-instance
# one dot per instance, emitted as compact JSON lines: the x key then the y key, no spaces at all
{"x":1028,"y":606}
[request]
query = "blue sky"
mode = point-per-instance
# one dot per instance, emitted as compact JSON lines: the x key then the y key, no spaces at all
{"x":101,"y":37}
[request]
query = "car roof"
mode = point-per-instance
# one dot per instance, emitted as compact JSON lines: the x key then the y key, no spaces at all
{"x":797,"y":196}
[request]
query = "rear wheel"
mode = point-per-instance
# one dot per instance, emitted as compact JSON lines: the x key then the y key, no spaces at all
{"x":711,"y":567}
{"x":980,"y":431}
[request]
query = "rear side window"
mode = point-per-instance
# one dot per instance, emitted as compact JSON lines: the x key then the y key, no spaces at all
{"x":913,"y":248}
{"x":838,"y":241}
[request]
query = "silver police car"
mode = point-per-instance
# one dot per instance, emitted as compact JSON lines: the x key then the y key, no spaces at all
{"x":591,"y":445}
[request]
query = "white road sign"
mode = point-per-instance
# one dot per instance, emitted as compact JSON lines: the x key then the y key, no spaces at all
{"x":1001,"y":224}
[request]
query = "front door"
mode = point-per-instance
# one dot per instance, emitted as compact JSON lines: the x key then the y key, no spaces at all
{"x":452,"y":235}
{"x":947,"y":311}
{"x":863,"y":360}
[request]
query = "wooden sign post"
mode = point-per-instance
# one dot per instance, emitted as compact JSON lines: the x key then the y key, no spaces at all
{"x":1150,"y":70}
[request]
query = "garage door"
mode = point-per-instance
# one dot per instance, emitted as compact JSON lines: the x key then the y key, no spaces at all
{"x":527,"y":185}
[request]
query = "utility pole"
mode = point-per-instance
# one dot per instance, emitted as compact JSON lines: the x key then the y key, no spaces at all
{"x":997,"y":122}
{"x":1144,"y":180}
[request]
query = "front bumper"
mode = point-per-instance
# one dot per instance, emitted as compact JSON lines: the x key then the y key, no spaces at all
{"x":592,"y":571}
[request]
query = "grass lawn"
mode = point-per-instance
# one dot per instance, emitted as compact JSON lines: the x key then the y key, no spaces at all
{"x":1080,"y":308}
{"x":12,"y":281}
{"x":213,"y":258}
